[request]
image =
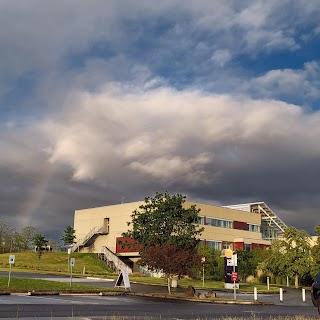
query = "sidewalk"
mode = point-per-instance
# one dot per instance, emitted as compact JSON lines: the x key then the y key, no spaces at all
{"x":291,"y":297}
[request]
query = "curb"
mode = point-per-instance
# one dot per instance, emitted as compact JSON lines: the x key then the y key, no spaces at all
{"x":213,"y":301}
{"x":100,"y":279}
{"x":47,"y":293}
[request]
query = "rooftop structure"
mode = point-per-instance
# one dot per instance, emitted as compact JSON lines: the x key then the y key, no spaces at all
{"x":272,"y":226}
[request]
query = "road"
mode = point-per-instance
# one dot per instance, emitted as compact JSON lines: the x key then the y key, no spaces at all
{"x":133,"y":307}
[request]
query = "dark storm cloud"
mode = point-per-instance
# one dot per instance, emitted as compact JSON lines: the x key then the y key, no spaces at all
{"x":108,"y":102}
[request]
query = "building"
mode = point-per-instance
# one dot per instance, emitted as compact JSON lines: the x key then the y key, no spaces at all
{"x":245,"y":226}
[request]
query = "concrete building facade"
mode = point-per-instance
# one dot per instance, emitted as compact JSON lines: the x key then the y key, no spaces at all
{"x":243,"y":226}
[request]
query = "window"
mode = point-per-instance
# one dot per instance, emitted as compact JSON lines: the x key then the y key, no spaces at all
{"x":253,"y":227}
{"x":214,"y":244}
{"x":227,"y":245}
{"x":200,"y":220}
{"x":219,"y":223}
{"x":247,"y":246}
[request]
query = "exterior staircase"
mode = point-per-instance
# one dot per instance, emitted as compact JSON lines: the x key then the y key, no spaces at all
{"x":113,"y":261}
{"x":89,"y":238}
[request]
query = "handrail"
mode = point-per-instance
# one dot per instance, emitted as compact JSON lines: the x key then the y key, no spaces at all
{"x":89,"y":235}
{"x":118,"y":263}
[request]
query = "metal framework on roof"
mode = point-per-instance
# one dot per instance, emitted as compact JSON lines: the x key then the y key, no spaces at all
{"x":272,"y":226}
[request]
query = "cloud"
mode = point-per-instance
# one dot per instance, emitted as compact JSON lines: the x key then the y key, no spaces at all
{"x":299,"y":85}
{"x":221,"y":57}
{"x":124,"y":130}
{"x":101,"y":100}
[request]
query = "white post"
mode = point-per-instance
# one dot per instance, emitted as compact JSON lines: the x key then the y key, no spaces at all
{"x":71,"y":276}
{"x":203,"y":260}
{"x":281,"y":295}
{"x":287,"y":281}
{"x":9,"y":276}
{"x":304,"y":295}
{"x":268,"y":283}
{"x":69,"y":252}
{"x":203,"y":275}
{"x":255,"y":294}
{"x":234,"y":264}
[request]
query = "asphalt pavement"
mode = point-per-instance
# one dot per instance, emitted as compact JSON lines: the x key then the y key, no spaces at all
{"x":291,"y":296}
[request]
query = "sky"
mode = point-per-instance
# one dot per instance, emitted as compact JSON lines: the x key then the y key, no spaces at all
{"x":103,"y":102}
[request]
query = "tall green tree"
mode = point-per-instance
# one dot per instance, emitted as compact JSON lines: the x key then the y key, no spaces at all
{"x":212,"y":268}
{"x":316,"y":252}
{"x":25,"y":238}
{"x":164,"y":223}
{"x":247,"y":263}
{"x":39,"y":242}
{"x":290,"y":256}
{"x":69,"y":236}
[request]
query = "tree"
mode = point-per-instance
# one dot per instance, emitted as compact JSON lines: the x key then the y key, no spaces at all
{"x":247,"y":263}
{"x":55,"y":246}
{"x":291,"y":255}
{"x":171,"y":259}
{"x":5,"y":236}
{"x":212,"y":268}
{"x":163,"y":224}
{"x":25,"y":238}
{"x":68,"y":237}
{"x":40,"y":242}
{"x":316,"y":252}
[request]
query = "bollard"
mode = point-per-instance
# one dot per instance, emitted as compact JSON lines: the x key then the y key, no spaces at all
{"x":268,"y":283}
{"x":287,"y":281}
{"x":304,"y":295}
{"x":255,"y":294}
{"x":281,"y":295}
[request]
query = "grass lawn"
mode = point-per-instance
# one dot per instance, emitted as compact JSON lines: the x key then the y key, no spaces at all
{"x":57,"y":262}
{"x":208,"y":284}
{"x":88,"y":264}
{"x":26,"y":284}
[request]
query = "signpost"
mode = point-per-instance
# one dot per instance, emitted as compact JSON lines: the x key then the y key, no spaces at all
{"x":69,"y":252}
{"x":72,"y":262}
{"x":11,"y":262}
{"x":231,"y":271}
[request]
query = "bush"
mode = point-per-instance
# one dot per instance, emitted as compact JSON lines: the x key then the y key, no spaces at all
{"x":278,"y":280}
{"x":263,"y":278}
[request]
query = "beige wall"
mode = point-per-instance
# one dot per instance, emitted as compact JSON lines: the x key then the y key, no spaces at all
{"x":118,"y":215}
{"x":226,"y":213}
{"x":225,"y":234}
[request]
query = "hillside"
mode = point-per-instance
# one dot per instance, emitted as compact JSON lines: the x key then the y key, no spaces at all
{"x":56,"y":262}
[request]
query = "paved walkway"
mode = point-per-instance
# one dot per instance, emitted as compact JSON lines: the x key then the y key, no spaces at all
{"x":291,"y":297}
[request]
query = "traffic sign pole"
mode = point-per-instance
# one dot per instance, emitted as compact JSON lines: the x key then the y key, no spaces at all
{"x":234,"y":274}
{"x":11,"y":262}
{"x":72,"y":262}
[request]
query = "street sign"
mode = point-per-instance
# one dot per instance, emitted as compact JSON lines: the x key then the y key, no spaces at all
{"x":234,"y":259}
{"x":72,"y":262}
{"x":11,"y":258}
{"x":234,"y":276}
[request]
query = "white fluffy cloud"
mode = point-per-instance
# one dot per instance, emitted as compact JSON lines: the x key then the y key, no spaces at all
{"x":177,"y":136}
{"x":296,"y":84}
